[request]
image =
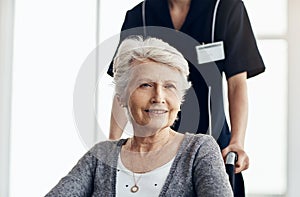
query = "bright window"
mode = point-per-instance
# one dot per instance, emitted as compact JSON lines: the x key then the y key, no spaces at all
{"x":52,"y":39}
{"x":267,"y":128}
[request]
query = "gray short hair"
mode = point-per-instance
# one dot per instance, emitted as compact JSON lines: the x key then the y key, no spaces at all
{"x":135,"y":48}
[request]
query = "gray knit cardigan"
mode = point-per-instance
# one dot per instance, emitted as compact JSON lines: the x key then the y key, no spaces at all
{"x":197,"y":170}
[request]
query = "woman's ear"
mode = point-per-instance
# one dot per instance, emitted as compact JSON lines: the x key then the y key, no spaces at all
{"x":120,"y":100}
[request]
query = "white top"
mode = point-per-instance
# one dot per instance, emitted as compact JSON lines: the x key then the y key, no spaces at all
{"x":149,"y":183}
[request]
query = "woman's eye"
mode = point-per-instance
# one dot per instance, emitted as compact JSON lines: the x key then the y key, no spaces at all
{"x":145,"y":85}
{"x":170,"y":86}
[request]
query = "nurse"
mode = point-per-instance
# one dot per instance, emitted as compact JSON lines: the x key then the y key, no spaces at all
{"x":208,"y":21}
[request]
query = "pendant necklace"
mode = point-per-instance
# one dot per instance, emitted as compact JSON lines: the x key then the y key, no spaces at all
{"x":135,"y":188}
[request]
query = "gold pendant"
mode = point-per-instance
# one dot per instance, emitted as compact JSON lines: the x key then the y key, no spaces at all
{"x":134,"y":189}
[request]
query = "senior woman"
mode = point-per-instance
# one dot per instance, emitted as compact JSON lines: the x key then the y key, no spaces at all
{"x":150,"y":82}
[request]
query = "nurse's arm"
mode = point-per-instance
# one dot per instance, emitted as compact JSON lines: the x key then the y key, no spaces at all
{"x":238,"y":112}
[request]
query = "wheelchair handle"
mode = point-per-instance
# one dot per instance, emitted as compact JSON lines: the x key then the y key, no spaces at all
{"x":231,"y":158}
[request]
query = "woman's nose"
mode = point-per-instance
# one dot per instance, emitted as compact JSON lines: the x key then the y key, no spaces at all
{"x":158,"y":95}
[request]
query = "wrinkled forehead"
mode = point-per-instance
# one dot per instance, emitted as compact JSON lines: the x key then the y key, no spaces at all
{"x":154,"y":72}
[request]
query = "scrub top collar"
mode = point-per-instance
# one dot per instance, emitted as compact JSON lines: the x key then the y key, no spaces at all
{"x":198,"y":9}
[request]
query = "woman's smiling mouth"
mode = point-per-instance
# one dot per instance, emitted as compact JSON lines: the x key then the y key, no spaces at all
{"x":156,"y":111}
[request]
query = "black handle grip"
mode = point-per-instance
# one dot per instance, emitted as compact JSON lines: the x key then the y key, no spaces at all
{"x":231,"y":158}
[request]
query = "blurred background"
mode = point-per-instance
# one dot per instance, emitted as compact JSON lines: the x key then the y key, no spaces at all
{"x":44,"y":43}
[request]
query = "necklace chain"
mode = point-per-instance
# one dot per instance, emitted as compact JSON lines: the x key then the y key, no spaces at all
{"x":135,"y":187}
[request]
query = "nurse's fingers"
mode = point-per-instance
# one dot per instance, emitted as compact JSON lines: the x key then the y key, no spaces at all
{"x":242,"y":162}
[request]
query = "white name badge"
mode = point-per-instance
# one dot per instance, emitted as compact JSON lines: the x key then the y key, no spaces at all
{"x":210,"y":52}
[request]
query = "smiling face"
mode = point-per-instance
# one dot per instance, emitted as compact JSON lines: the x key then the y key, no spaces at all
{"x":153,"y":95}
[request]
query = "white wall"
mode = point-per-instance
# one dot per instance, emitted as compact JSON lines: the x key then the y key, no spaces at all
{"x":294,"y":99}
{"x":6,"y":43}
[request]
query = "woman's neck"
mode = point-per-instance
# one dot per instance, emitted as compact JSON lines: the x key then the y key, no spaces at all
{"x":143,"y":154}
{"x":151,"y":143}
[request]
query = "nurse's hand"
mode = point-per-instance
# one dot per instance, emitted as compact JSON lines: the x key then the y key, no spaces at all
{"x":243,"y":159}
